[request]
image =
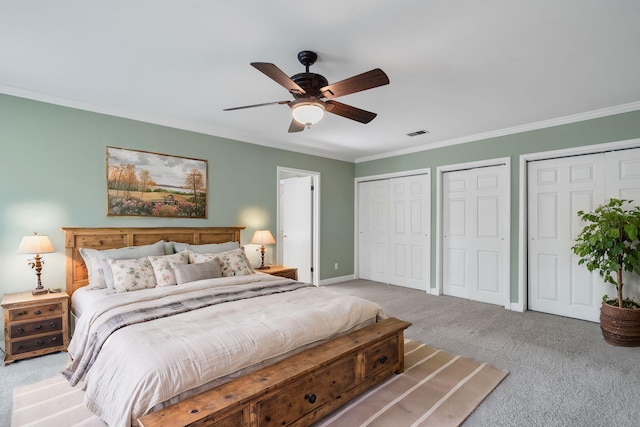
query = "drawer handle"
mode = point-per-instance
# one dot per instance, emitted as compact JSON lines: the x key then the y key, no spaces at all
{"x":383,"y":359}
{"x":37,"y":327}
{"x":310,"y":397}
{"x":39,"y":342}
{"x":37,"y":312}
{"x":53,"y":325}
{"x":54,"y":339}
{"x":19,"y":330}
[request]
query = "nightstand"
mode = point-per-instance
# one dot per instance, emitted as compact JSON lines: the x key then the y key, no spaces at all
{"x":282,"y":271}
{"x":35,"y":324}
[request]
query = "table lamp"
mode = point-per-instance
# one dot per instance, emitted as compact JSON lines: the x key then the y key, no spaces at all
{"x":262,"y":237}
{"x":36,"y":245}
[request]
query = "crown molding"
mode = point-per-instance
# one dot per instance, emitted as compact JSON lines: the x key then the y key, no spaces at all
{"x":610,"y":111}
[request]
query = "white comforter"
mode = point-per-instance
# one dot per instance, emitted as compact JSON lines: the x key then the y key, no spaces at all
{"x":147,"y":365}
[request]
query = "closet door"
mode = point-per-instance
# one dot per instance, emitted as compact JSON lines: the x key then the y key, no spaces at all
{"x":409,"y":231}
{"x":373,"y":224}
{"x":475,"y":251}
{"x":394,"y":222}
{"x":557,"y":190}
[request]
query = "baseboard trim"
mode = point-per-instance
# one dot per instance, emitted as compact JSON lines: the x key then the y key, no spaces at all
{"x":335,"y":280}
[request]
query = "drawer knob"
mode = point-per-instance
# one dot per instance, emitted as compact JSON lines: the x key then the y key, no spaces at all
{"x":54,"y":339}
{"x":382,"y":360}
{"x":19,"y":330}
{"x":310,"y":397}
{"x":37,"y":327}
{"x":39,"y":342}
{"x":53,"y":325}
{"x":37,"y":312}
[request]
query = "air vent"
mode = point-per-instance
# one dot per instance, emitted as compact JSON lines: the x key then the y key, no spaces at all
{"x":418,"y":132}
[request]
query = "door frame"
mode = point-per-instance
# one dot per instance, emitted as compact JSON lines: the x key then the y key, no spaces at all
{"x":356,"y":192}
{"x":523,"y":238}
{"x":315,"y":217}
{"x":506,"y":161}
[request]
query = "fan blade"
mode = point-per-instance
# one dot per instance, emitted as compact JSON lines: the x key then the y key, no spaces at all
{"x":364,"y":81}
{"x":349,"y":112}
{"x":278,"y":76}
{"x":256,"y":105}
{"x":295,"y":126}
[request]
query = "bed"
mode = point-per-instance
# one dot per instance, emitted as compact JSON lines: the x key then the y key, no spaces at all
{"x":153,"y":349}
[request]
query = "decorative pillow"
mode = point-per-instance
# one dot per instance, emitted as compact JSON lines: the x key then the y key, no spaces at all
{"x":191,"y":272}
{"x":132,"y":274}
{"x":99,"y":270}
{"x":163,"y":267}
{"x":210,"y":248}
{"x":235,"y":263}
{"x":196,"y":258}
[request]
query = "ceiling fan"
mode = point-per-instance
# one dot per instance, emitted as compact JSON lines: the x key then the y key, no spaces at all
{"x":310,"y":90}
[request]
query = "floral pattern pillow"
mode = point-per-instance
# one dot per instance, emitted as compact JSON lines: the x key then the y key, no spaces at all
{"x":132,"y":274}
{"x":163,"y":267}
{"x":197,"y":258}
{"x":235,"y":263}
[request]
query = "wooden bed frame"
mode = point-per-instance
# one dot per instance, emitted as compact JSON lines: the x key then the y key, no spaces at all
{"x":296,"y":391}
{"x":111,"y":238}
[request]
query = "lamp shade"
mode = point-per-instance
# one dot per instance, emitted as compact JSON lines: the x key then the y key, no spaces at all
{"x":308,"y":113}
{"x":35,"y":244}
{"x":263,"y":237}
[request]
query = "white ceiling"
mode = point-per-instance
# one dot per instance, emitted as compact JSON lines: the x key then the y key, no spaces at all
{"x":460,"y":69}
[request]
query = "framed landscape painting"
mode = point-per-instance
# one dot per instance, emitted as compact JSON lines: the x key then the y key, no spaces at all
{"x":141,"y":183}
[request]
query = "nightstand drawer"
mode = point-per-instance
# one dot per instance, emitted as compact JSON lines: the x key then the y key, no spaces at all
{"x":29,"y":345}
{"x":36,"y":312}
{"x":34,"y":328}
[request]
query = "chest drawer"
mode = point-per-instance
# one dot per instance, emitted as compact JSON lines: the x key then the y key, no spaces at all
{"x":37,"y":312}
{"x":308,"y":394}
{"x":39,"y":343}
{"x":380,"y":356}
{"x":33,"y":328}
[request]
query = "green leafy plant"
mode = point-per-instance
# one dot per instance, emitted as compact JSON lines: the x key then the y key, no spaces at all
{"x":609,"y":243}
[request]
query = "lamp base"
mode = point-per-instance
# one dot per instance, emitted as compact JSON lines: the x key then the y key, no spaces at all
{"x":40,"y":291}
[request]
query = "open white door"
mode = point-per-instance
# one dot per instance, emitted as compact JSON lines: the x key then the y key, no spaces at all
{"x":299,"y":222}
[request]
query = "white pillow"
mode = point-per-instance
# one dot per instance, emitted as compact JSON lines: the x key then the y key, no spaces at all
{"x":132,"y":274}
{"x":191,"y":272}
{"x":99,"y":270}
{"x":163,"y":267}
{"x":209,"y":248}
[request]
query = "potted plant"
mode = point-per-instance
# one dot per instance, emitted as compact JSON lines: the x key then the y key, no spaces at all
{"x":609,"y":244}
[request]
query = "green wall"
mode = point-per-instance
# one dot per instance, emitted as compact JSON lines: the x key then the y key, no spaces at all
{"x":596,"y":131}
{"x":52,"y":174}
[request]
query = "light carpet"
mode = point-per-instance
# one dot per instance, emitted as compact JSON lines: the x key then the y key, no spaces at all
{"x":436,"y":389}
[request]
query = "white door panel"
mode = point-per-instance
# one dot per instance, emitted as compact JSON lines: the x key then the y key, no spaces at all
{"x":373,"y":230}
{"x":297,"y":202}
{"x":475,"y":247}
{"x":394,"y":224}
{"x":557,"y":190}
{"x":475,"y":218}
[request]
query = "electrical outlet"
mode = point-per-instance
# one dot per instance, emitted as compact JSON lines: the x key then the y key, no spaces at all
{"x":335,"y":266}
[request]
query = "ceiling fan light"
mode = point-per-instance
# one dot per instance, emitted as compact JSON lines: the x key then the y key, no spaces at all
{"x":308,"y":113}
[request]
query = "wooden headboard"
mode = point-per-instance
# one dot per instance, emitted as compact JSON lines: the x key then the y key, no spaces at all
{"x":111,"y":238}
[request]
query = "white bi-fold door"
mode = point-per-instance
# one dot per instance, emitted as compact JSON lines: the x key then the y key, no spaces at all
{"x":475,"y":226}
{"x":557,"y":189}
{"x":394,"y":222}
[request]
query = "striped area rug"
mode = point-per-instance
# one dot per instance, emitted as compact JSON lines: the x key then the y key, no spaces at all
{"x":436,"y":389}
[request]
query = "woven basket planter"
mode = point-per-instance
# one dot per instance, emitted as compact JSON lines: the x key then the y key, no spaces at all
{"x":620,"y":326}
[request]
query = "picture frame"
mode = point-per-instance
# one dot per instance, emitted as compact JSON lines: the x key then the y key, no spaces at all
{"x":144,"y":183}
